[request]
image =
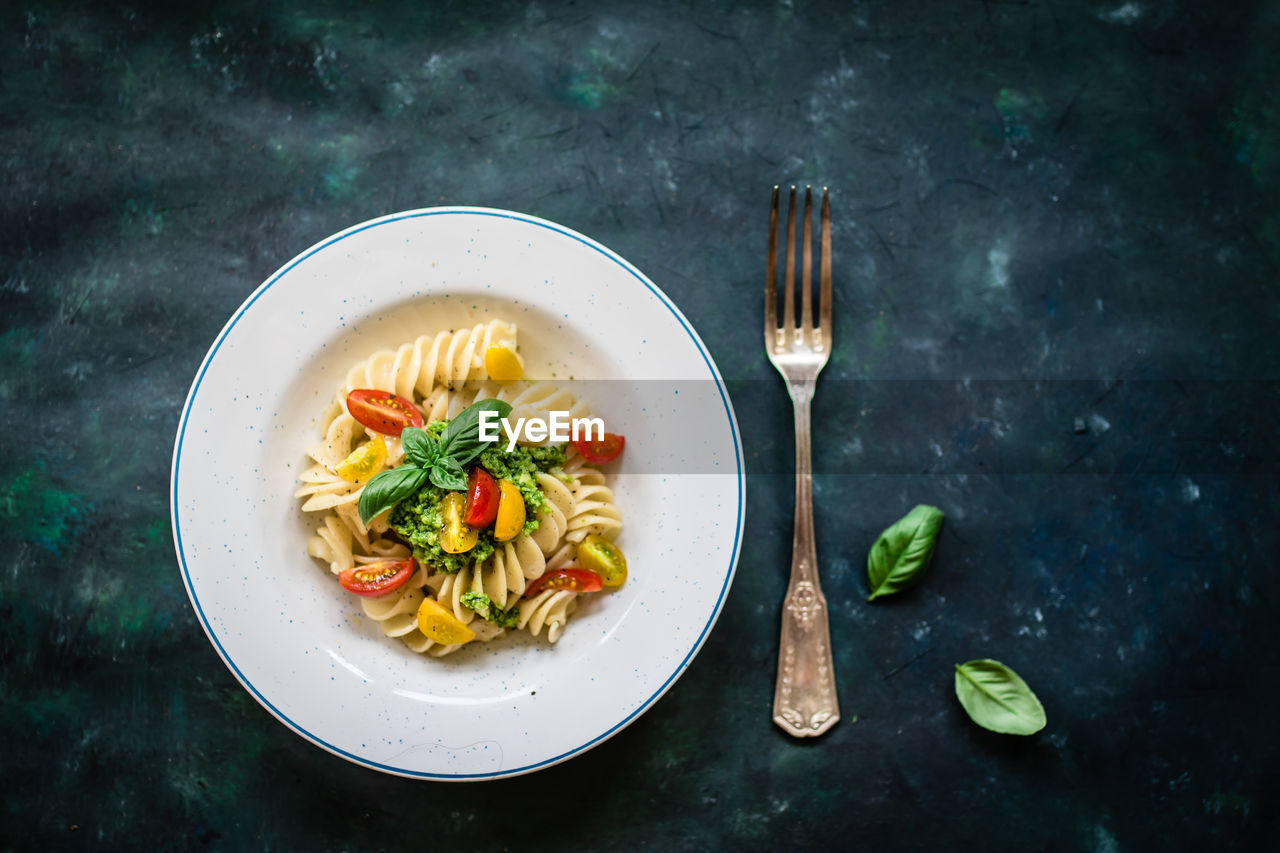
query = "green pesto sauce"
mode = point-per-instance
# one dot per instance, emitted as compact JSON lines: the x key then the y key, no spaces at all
{"x":417,"y":519}
{"x":521,"y":467}
{"x":482,"y":604}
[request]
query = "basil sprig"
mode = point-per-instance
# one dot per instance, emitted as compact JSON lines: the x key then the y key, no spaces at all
{"x":902,"y":552}
{"x":426,"y":458}
{"x":996,"y":698}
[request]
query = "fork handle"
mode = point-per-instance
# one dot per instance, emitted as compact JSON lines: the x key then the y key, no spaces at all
{"x":804,"y":698}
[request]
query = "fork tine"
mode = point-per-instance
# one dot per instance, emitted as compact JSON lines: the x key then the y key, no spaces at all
{"x":806,"y":271}
{"x":789,"y":295}
{"x":771,"y":280}
{"x":824,"y":304}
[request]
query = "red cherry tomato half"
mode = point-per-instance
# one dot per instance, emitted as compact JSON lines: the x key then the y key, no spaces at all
{"x":376,"y":578}
{"x":577,"y":580}
{"x":598,"y":452}
{"x":482,"y":499}
{"x":382,"y":411}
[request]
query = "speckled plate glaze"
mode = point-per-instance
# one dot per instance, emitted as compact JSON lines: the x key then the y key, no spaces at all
{"x":301,"y":646}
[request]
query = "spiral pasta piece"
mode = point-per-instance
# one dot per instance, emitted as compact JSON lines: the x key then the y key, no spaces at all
{"x":446,"y":359}
{"x":594,"y":510}
{"x":332,"y":544}
{"x":553,"y":522}
{"x":548,"y":609}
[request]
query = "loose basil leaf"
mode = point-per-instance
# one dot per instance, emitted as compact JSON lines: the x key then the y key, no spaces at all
{"x":461,"y":439}
{"x":447,"y":473}
{"x":420,"y":447}
{"x":389,"y":488}
{"x":997,"y":699}
{"x":902,"y":552}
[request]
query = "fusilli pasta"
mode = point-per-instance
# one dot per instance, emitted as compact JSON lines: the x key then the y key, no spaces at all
{"x":441,"y":375}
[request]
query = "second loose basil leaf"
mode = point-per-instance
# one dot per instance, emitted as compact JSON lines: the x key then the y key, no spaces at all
{"x":902,"y":552}
{"x":995,"y":698}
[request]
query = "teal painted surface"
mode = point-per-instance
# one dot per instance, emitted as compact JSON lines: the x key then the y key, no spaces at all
{"x":1056,"y":251}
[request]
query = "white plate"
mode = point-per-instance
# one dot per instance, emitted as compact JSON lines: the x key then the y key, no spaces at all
{"x":302,"y":647}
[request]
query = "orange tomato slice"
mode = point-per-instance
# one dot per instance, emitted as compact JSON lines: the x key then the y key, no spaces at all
{"x":511,"y":512}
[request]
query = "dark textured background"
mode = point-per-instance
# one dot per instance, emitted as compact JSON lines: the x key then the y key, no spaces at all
{"x":1072,"y":206}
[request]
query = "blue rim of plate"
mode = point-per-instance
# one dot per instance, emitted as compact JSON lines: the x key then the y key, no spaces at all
{"x":279,"y":274}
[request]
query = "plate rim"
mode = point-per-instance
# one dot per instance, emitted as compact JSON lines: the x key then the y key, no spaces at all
{"x":244,"y":307}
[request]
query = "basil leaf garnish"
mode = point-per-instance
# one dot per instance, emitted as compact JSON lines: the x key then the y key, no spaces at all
{"x":420,"y":447}
{"x":447,"y":473}
{"x":902,"y":552}
{"x":387,"y":489}
{"x":461,"y":439}
{"x":995,"y":698}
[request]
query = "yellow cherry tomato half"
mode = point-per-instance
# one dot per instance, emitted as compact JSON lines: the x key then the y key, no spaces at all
{"x":502,"y":364}
{"x":599,"y":555}
{"x":511,"y":512}
{"x":365,"y":461}
{"x":456,"y":536}
{"x":439,"y":625}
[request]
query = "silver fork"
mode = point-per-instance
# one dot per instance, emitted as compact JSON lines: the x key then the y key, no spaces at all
{"x":804,"y":699}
